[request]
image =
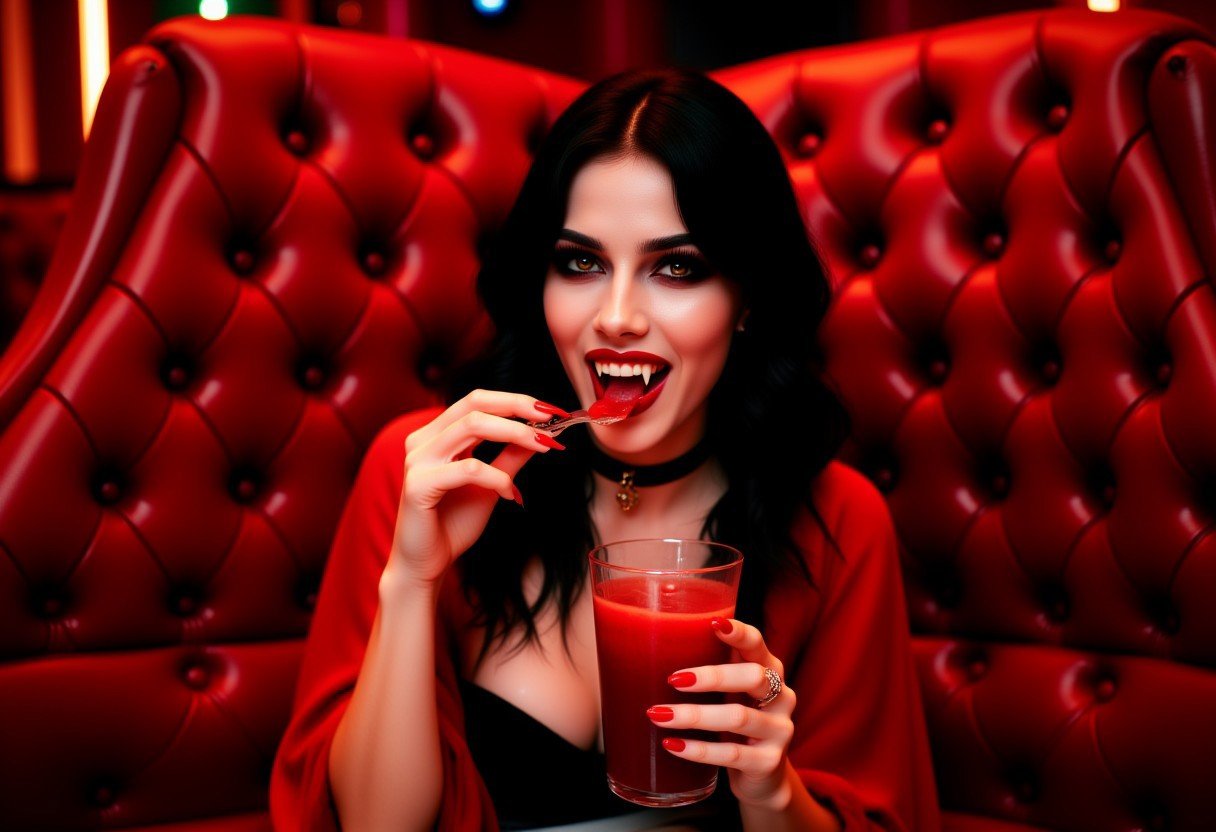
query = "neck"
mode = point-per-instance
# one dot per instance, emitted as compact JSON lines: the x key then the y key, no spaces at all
{"x":677,"y":508}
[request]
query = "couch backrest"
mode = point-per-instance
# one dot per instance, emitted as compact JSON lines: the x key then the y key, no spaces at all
{"x":271,"y":253}
{"x":1020,"y":221}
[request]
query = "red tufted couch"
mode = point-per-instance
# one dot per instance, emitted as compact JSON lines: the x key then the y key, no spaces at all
{"x":29,"y":227}
{"x":271,"y":252}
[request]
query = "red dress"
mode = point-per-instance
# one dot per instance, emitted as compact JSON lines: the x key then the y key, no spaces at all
{"x":860,"y":743}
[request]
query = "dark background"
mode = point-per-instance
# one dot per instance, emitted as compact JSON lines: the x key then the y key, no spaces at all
{"x":588,"y":39}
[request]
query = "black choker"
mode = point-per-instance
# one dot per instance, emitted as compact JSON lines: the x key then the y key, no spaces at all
{"x":628,"y":476}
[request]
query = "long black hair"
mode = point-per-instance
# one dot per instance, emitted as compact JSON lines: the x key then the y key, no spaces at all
{"x":735,"y":197}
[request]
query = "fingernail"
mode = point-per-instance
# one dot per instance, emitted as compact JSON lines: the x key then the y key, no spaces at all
{"x":722,"y":625}
{"x":519,"y":498}
{"x":683,"y":679}
{"x":673,"y":743}
{"x":549,"y":442}
{"x":553,"y":409}
{"x":660,"y":714}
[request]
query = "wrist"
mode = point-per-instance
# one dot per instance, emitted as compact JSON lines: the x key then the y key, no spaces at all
{"x":774,"y":795}
{"x":398,"y":584}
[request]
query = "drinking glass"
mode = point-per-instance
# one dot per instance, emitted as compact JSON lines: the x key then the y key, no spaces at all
{"x":653,"y":602}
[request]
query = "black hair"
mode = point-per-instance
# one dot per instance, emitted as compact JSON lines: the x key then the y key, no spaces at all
{"x":735,"y":197}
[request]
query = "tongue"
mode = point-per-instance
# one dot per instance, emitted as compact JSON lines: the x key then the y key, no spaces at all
{"x":620,"y":397}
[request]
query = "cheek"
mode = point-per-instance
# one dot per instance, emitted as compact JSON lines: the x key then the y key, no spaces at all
{"x":557,"y":311}
{"x":699,"y":329}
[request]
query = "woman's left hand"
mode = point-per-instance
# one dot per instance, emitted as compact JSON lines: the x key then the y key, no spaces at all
{"x":758,"y":766}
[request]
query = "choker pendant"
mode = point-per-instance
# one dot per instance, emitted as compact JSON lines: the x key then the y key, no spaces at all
{"x":629,"y":478}
{"x":626,"y":494}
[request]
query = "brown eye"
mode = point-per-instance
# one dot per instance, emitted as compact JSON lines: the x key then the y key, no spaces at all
{"x":679,"y":269}
{"x":579,"y":261}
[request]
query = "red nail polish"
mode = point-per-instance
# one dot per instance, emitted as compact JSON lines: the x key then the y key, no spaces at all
{"x":722,"y":625}
{"x":673,"y":743}
{"x":549,"y":442}
{"x":551,"y":409}
{"x":683,"y":679}
{"x":519,"y":498}
{"x":660,"y":714}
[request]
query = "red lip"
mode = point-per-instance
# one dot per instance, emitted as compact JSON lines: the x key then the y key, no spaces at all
{"x":631,"y":357}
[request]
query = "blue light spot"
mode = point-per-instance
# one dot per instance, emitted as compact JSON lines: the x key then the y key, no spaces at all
{"x":490,"y":7}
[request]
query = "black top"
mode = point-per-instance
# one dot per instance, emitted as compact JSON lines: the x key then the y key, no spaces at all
{"x":535,"y":776}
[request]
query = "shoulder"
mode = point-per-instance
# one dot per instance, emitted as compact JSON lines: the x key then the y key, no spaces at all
{"x":388,"y":445}
{"x":847,"y":502}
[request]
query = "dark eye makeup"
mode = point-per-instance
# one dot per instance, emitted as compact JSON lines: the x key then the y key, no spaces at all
{"x":693,"y":266}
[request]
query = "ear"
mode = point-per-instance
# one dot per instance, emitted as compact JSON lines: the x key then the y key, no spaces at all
{"x":742,"y":320}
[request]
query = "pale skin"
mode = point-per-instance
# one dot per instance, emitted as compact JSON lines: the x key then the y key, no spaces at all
{"x":612,"y":296}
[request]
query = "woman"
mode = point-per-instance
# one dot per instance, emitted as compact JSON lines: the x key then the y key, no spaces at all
{"x":655,"y":259}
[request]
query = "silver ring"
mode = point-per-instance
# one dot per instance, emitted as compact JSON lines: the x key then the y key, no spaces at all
{"x":774,"y":687}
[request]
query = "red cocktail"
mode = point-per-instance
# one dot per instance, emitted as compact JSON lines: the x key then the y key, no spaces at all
{"x":653,"y":603}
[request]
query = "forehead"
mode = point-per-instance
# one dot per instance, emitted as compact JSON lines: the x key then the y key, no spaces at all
{"x":631,"y":193}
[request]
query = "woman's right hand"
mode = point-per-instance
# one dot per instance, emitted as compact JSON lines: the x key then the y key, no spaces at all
{"x":447,"y":494}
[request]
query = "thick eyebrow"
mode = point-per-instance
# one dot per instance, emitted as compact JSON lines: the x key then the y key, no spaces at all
{"x":658,"y":244}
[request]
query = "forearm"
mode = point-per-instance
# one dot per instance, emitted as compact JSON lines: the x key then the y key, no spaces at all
{"x":792,"y":808}
{"x":385,"y":767}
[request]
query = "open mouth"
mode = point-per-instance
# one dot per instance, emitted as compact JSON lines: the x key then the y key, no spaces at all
{"x":630,"y":382}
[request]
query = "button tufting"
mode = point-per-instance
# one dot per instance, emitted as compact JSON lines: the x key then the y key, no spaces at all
{"x":1057,"y":117}
{"x":432,"y":366}
{"x":948,"y":590}
{"x":103,"y":795}
{"x":994,"y":244}
{"x":423,"y":145}
{"x":1055,"y":604}
{"x":999,"y":485}
{"x":297,"y":142}
{"x":51,"y":603}
{"x":939,"y":128}
{"x":185,"y":602}
{"x":242,"y":261}
{"x":938,"y":370}
{"x":1112,"y":250}
{"x":1050,"y":371}
{"x":107,"y":486}
{"x":373,"y":263}
{"x":1025,"y":790}
{"x":977,"y":669}
{"x":1176,"y":65}
{"x":244,"y":486}
{"x":808,"y":144}
{"x":314,"y":377}
{"x":884,"y":479}
{"x":306,"y":592}
{"x":196,"y":676}
{"x":177,"y":378}
{"x":109,"y":492}
{"x":1104,"y":689}
{"x":869,"y":255}
{"x":1163,"y":373}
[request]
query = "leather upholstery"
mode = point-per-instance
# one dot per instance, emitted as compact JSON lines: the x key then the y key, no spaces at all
{"x":270,"y":254}
{"x":29,"y":227}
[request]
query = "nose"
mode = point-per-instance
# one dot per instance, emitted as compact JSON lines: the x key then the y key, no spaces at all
{"x":621,"y":312}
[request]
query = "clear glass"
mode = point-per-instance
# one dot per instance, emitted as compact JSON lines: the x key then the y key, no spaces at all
{"x":654,"y":600}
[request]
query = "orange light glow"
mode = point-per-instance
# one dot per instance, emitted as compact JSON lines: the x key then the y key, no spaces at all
{"x":1103,"y":5}
{"x":94,"y":56}
{"x":17,"y":76}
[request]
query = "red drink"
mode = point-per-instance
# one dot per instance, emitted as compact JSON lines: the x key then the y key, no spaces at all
{"x":646,"y":628}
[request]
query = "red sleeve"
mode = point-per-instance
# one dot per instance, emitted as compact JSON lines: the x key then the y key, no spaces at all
{"x":860,"y":744}
{"x":300,"y":796}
